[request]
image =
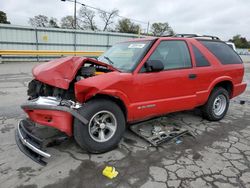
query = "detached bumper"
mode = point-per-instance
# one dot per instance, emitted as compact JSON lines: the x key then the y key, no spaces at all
{"x":29,"y":144}
{"x":57,"y":116}
{"x":53,"y":112}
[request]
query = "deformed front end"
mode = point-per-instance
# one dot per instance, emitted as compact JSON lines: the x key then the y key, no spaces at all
{"x":53,"y":103}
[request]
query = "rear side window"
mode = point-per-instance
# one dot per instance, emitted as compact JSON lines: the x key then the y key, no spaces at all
{"x":223,"y":52}
{"x":200,"y":59}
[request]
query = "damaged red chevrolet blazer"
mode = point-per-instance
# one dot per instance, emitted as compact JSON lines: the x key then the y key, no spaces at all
{"x":94,"y":99}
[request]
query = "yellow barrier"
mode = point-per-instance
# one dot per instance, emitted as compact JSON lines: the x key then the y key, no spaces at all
{"x":48,"y":52}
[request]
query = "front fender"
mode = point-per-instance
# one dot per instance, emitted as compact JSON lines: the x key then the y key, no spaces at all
{"x":110,"y":84}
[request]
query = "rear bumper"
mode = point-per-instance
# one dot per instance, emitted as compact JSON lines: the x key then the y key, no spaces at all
{"x":239,"y":88}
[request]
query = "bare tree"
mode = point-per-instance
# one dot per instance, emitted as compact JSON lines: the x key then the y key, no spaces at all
{"x":39,"y":21}
{"x":67,"y":22}
{"x":86,"y":16}
{"x":108,"y":18}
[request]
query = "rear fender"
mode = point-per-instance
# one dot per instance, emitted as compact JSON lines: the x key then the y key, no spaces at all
{"x":203,"y":96}
{"x":218,"y":80}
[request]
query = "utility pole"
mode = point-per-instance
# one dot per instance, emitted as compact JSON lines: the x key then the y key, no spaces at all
{"x":75,"y":15}
{"x":74,"y":12}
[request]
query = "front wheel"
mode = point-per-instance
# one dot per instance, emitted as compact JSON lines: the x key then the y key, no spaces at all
{"x":217,"y":105}
{"x":105,"y":128}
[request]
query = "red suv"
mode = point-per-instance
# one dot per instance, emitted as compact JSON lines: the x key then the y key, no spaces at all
{"x":94,"y":99}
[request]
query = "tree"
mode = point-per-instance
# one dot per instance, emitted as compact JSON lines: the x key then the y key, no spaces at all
{"x":159,"y":29}
{"x":53,"y":23}
{"x":39,"y":21}
{"x":3,"y":18}
{"x":108,"y":18}
{"x":126,"y":26}
{"x":86,"y":16}
{"x":67,"y":22}
{"x":240,"y":42}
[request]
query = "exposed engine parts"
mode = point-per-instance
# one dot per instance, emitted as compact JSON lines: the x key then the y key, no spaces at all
{"x":86,"y":72}
{"x":37,"y":88}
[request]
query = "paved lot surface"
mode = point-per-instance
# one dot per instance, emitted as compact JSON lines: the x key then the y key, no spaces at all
{"x":219,"y":157}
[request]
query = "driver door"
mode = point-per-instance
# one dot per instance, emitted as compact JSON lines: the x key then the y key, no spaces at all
{"x":169,"y":90}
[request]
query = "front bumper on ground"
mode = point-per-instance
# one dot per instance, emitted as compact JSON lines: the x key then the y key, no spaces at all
{"x":29,"y":144}
{"x":56,"y":115}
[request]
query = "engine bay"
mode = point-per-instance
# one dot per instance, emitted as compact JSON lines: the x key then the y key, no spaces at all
{"x":37,"y":88}
{"x":91,"y":69}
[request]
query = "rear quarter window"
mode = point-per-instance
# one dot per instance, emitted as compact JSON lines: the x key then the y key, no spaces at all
{"x":200,"y":59}
{"x":223,"y":52}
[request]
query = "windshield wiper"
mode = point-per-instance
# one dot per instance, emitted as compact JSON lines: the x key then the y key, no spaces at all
{"x":109,"y":60}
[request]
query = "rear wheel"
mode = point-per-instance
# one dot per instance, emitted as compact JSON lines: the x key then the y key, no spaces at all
{"x":105,"y":128}
{"x":217,"y":105}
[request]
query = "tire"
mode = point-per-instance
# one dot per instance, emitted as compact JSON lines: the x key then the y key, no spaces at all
{"x":97,"y":136}
{"x":213,"y":112}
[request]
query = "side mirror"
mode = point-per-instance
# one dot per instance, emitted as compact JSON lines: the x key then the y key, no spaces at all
{"x":154,"y":66}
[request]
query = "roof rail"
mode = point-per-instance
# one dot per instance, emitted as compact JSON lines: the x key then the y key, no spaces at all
{"x":212,"y":37}
{"x":186,"y":35}
{"x":193,"y":36}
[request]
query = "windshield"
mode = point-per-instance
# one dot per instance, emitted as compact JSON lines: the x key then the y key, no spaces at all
{"x":125,"y":56}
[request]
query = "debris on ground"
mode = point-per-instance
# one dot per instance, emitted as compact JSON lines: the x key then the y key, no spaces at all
{"x":158,"y":133}
{"x":110,"y":172}
{"x":178,"y":141}
{"x":242,"y":102}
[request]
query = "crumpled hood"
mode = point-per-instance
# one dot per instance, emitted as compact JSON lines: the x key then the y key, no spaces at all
{"x":60,"y":72}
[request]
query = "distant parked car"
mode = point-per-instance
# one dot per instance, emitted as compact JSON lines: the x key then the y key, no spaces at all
{"x":93,"y":100}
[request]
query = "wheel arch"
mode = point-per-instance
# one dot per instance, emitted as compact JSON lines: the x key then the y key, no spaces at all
{"x":226,"y":84}
{"x":115,"y":99}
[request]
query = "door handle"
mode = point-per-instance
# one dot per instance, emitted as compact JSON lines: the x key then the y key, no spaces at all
{"x":192,"y":76}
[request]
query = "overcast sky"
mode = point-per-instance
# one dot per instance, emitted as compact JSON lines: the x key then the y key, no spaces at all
{"x":223,"y":18}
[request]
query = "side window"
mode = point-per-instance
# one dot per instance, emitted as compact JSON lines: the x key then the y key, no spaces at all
{"x":173,"y":54}
{"x":200,"y":59}
{"x":223,"y":52}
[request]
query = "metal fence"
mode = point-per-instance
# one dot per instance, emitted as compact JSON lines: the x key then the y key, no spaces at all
{"x":29,"y":38}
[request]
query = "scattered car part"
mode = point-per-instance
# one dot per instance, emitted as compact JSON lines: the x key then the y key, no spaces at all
{"x":110,"y":172}
{"x":159,"y":134}
{"x":242,"y":102}
{"x":178,"y":141}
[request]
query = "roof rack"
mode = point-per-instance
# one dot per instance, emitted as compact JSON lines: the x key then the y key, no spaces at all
{"x":193,"y":36}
